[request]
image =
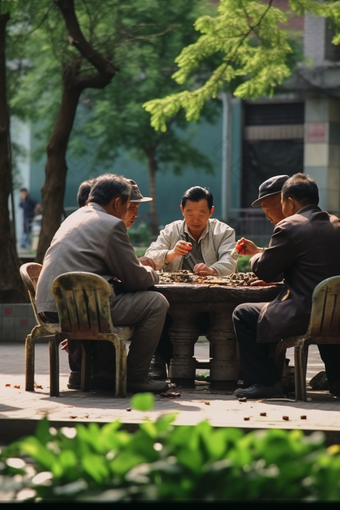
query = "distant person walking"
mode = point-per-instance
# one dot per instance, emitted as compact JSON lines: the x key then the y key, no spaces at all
{"x":30,"y":208}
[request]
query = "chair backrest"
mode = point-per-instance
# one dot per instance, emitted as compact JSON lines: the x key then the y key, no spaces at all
{"x":325,"y":315}
{"x":83,"y":304}
{"x":30,"y":273}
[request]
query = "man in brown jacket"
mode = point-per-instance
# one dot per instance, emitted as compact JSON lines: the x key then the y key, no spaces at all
{"x":300,"y":249}
{"x":95,"y":239}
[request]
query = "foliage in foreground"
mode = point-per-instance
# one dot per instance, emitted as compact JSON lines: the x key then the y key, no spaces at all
{"x":161,"y":461}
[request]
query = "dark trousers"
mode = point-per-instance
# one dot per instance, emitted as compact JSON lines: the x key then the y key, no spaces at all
{"x":102,"y":352}
{"x":257,"y":363}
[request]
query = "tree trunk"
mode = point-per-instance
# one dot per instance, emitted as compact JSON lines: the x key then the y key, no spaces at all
{"x":74,"y":82}
{"x":53,"y":190}
{"x":12,"y":289}
{"x":151,"y":154}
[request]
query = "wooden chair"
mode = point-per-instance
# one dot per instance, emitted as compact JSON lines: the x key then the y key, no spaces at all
{"x":324,"y":328}
{"x":84,"y":313}
{"x":30,"y":273}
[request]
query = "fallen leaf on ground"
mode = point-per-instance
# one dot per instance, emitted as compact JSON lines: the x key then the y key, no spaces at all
{"x":17,"y":386}
{"x":7,"y":385}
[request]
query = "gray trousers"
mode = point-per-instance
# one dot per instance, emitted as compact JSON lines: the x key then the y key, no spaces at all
{"x":146,"y":311}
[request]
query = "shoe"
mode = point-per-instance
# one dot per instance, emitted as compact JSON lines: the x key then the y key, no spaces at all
{"x":103,"y":381}
{"x":334,"y":388}
{"x":260,"y":391}
{"x":74,"y":381}
{"x":146,"y":385}
{"x":158,"y":370}
{"x":319,"y":381}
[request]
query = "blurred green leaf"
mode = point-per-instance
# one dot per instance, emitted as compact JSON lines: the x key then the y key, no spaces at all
{"x":143,"y":401}
{"x":96,"y":466}
{"x":43,"y":430}
{"x":125,"y":461}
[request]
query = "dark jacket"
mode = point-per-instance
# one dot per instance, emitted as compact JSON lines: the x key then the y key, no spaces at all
{"x":304,"y":247}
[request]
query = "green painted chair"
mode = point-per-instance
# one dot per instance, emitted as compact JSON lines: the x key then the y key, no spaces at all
{"x":324,"y":328}
{"x":84,"y":314}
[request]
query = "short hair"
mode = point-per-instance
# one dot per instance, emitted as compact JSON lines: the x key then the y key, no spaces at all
{"x":197,"y":193}
{"x":84,"y":191}
{"x":302,"y":188}
{"x":24,"y":189}
{"x":109,"y":186}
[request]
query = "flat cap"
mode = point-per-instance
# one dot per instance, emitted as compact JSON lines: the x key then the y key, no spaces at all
{"x":136,"y":195}
{"x":270,"y":187}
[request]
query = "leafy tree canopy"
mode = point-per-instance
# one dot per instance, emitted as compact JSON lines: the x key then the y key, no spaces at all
{"x":146,"y":63}
{"x":142,"y":38}
{"x":254,"y":51}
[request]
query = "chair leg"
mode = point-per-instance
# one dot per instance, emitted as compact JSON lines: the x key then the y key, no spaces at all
{"x":29,"y":363}
{"x":300,"y":360}
{"x":120,"y":369}
{"x":54,"y":367}
{"x":85,"y":367}
{"x":279,"y":359}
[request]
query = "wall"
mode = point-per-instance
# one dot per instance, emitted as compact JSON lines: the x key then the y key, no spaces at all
{"x":169,"y":187}
{"x":16,"y":322}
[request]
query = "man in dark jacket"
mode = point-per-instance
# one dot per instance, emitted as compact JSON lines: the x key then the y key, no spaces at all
{"x":300,"y":249}
{"x":30,"y":208}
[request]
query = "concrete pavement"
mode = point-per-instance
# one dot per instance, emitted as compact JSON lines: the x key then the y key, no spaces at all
{"x":21,"y":410}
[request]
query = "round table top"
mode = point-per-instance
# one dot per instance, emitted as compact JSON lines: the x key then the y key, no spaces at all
{"x":209,"y":292}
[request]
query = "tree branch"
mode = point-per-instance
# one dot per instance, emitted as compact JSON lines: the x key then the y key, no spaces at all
{"x":76,"y":38}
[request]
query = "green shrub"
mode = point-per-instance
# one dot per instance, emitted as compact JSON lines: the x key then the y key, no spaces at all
{"x":140,"y":252}
{"x":140,"y":236}
{"x":161,"y":461}
{"x":243,"y":264}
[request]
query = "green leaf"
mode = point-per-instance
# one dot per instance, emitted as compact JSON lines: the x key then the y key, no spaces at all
{"x":125,"y":461}
{"x":42,"y":431}
{"x":143,"y":401}
{"x":32,"y":446}
{"x":96,"y":466}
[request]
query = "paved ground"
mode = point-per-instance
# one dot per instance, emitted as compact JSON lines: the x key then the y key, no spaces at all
{"x":20,"y":410}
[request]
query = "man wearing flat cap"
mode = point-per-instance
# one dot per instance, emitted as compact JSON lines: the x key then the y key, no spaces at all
{"x":298,"y":249}
{"x":94,"y":239}
{"x":102,"y":352}
{"x":270,"y":200}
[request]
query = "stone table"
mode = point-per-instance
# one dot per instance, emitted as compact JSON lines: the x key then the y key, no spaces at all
{"x":187,"y":301}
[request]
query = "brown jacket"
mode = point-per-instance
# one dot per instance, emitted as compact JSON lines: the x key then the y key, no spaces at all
{"x":304,"y":247}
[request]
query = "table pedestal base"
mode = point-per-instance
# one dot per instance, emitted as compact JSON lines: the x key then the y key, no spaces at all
{"x":187,"y":301}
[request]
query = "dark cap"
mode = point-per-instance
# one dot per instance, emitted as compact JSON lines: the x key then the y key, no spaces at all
{"x":136,"y":195}
{"x":270,"y":187}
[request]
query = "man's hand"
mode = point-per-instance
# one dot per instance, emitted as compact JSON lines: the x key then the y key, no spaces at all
{"x":261,"y":283}
{"x":248,"y":247}
{"x":181,"y":248}
{"x":145,"y":261}
{"x":204,"y":270}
